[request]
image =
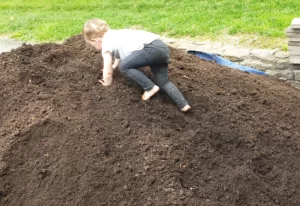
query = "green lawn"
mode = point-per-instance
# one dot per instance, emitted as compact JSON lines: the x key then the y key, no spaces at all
{"x":261,"y":23}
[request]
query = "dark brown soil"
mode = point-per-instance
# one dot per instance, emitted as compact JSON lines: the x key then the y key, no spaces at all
{"x":67,"y":140}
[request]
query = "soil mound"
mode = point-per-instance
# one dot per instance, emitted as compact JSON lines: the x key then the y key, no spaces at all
{"x":67,"y":140}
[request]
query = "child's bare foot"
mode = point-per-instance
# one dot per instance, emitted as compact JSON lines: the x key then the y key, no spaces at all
{"x":148,"y":94}
{"x":186,"y":108}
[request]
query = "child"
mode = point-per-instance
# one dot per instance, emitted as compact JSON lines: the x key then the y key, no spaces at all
{"x":133,"y":49}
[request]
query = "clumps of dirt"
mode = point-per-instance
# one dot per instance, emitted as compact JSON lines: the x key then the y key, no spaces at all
{"x":67,"y":140}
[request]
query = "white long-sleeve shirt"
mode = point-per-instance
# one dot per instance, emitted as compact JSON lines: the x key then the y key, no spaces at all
{"x":121,"y":43}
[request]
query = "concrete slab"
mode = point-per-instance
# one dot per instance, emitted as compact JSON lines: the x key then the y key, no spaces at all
{"x":294,"y":39}
{"x":294,"y":53}
{"x":293,"y":48}
{"x":295,"y":59}
{"x":293,"y":43}
{"x":293,"y":34}
{"x":292,"y":30}
{"x":295,"y":23}
{"x":7,"y":44}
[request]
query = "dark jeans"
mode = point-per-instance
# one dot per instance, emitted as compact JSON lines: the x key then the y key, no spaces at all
{"x":156,"y":55}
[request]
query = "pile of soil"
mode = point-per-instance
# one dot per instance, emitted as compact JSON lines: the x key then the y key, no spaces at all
{"x":67,"y":140}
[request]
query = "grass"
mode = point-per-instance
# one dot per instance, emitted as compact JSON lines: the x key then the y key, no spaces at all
{"x":259,"y":23}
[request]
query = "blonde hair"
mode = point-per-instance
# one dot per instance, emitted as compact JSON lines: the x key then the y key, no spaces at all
{"x":94,"y":28}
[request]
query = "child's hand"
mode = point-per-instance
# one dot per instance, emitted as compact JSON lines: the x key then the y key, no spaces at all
{"x":106,"y":81}
{"x":102,"y":82}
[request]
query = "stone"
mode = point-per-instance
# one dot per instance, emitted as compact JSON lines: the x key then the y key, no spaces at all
{"x":210,"y":49}
{"x":183,"y":47}
{"x":232,"y":58}
{"x":256,"y":64}
{"x":295,"y":23}
{"x":293,"y":48}
{"x":282,"y":65}
{"x":199,"y":43}
{"x":9,"y":44}
{"x":293,"y":43}
{"x":297,"y":39}
{"x":291,"y":30}
{"x":265,"y":55}
{"x":295,"y":59}
{"x":235,"y":54}
{"x":286,"y":74}
{"x":295,"y":67}
{"x":282,"y":55}
{"x":293,"y":53}
{"x":293,"y":34}
{"x":294,"y":83}
{"x":297,"y":75}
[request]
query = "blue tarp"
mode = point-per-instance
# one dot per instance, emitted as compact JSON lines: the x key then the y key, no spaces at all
{"x":225,"y":62}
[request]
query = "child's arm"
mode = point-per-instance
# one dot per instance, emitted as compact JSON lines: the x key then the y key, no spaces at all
{"x":107,"y":69}
{"x":116,"y":63}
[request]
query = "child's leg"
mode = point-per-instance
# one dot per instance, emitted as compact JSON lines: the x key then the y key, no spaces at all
{"x":160,"y":73}
{"x":148,"y":94}
{"x":130,"y":68}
